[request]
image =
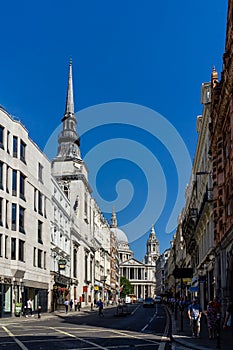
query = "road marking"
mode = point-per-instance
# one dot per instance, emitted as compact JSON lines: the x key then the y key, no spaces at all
{"x":134,"y":336}
{"x":81,"y":339}
{"x":19,"y":343}
{"x":165,"y":338}
{"x":133,"y":312}
{"x":145,"y":327}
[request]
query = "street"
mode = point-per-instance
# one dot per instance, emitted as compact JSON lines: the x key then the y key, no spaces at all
{"x":144,"y":328}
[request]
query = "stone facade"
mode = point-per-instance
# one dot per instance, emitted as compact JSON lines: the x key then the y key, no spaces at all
{"x":222,"y":153}
{"x":24,"y":218}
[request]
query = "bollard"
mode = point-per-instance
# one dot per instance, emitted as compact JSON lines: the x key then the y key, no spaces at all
{"x":39,"y":311}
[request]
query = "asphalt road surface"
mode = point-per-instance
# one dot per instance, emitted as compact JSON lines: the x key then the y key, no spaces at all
{"x":137,"y":327}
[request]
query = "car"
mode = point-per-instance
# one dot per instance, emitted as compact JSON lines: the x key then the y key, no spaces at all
{"x":148,"y":302}
{"x":140,"y":300}
{"x":158,"y":299}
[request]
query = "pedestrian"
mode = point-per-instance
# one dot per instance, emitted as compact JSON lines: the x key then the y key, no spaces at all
{"x":194,"y":314}
{"x":66,"y":303}
{"x":75,"y":304}
{"x":79,"y":305}
{"x":29,"y":306}
{"x":211,"y":315}
{"x":228,"y":316}
{"x":71,"y":304}
{"x":100,"y":306}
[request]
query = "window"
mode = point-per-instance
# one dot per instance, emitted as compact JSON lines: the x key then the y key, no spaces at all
{"x":40,"y":203}
{"x":6,"y":217}
{"x":21,"y":250}
{"x":45,"y":260}
{"x":13,"y":248}
{"x":22,"y":186}
{"x":40,"y":231}
{"x":13,"y":216}
{"x":8,"y":142}
{"x":34,"y":256}
{"x":1,"y":136}
{"x":1,"y":175}
{"x":6,"y":247}
{"x":39,"y":258}
{"x":1,"y":201}
{"x":15,"y":146}
{"x":14,"y":182}
{"x":0,"y":244}
{"x":22,"y":151}
{"x":21,"y":219}
{"x":75,"y":263}
{"x":35,"y":196}
{"x":40,"y":172}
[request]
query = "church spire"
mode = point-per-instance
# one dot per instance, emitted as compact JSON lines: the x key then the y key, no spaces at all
{"x":113,"y":219}
{"x":70,"y":95}
{"x":68,"y":139}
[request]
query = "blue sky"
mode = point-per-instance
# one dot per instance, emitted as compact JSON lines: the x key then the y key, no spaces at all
{"x":151,"y":53}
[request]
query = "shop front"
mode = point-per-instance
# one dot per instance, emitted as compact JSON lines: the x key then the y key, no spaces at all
{"x":6,"y":297}
{"x":60,"y":292}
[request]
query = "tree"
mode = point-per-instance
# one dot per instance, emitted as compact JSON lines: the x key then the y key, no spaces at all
{"x":126,"y":287}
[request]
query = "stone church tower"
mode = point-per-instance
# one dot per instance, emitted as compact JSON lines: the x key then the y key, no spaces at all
{"x":71,"y":173}
{"x":152,"y":248}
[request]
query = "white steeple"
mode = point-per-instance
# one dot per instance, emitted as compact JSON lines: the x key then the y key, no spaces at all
{"x":68,"y":139}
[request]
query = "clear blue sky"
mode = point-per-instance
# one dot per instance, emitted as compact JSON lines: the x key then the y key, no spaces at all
{"x":152,"y":53}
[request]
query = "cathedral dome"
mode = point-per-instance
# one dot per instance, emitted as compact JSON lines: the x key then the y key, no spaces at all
{"x":120,"y":235}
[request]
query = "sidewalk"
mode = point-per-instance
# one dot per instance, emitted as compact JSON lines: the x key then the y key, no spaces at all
{"x":48,"y":315}
{"x":185,"y":337}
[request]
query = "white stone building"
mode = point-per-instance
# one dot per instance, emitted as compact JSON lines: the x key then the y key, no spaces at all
{"x":24,"y":218}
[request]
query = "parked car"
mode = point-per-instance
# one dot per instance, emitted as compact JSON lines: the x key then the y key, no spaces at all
{"x":148,"y":302}
{"x":140,"y":300}
{"x":158,"y":299}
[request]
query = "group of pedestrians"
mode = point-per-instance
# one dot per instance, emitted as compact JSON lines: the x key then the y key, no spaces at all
{"x":212,"y":313}
{"x":69,"y":304}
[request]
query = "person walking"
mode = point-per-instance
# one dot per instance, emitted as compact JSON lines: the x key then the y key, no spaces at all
{"x":194,"y":314}
{"x":29,"y":306}
{"x":211,"y":315}
{"x":66,"y":303}
{"x":100,"y":306}
{"x":71,"y":304}
{"x":75,"y":304}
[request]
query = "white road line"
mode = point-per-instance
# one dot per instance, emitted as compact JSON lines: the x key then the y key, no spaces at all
{"x":19,"y":343}
{"x":83,"y":340}
{"x":135,"y":337}
{"x":145,"y":327}
{"x":133,"y":312}
{"x":165,"y":334}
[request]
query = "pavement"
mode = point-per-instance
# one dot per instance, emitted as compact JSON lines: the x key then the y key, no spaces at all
{"x":184,"y":337}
